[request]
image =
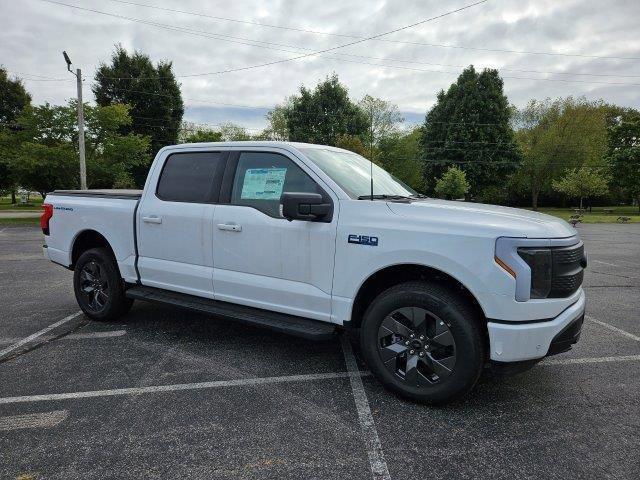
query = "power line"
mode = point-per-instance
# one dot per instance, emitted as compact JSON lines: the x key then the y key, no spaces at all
{"x":309,"y":54}
{"x":265,"y":45}
{"x":520,"y":52}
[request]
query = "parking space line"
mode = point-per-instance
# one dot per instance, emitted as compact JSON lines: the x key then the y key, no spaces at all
{"x":38,"y":334}
{"x":33,"y":420}
{"x":571,"y":361}
{"x":606,"y":263}
{"x":75,"y":336}
{"x":178,"y":387}
{"x":112,"y":333}
{"x":377,"y":462}
{"x":613,"y":328}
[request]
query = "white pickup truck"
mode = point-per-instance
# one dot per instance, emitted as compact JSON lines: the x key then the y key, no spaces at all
{"x":288,"y":236}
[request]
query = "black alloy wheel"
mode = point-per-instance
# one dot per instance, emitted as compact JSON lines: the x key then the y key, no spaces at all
{"x":94,"y":286}
{"x":424,"y":341}
{"x":416,"y":346}
{"x":98,"y":285}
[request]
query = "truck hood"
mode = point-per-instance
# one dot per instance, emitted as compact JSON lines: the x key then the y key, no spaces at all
{"x":493,"y":219}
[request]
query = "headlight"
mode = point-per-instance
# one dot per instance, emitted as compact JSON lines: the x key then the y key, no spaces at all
{"x":529,"y":262}
{"x":542,"y":267}
{"x":539,"y":261}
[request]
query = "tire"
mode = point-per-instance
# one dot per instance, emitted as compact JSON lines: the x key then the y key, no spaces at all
{"x":442,"y":361}
{"x":98,"y":287}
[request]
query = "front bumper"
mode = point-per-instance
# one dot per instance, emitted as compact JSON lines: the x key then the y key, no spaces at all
{"x":515,"y":342}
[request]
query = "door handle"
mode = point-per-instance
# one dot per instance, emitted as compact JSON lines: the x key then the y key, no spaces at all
{"x":230,"y":227}
{"x":152,"y":219}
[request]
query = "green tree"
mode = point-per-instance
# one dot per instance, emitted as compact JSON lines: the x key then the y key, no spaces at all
{"x":453,"y":184}
{"x":383,"y":118}
{"x":230,"y":132}
{"x":48,"y":157}
{"x":470,"y":125}
{"x":323,"y":114}
{"x":399,"y":154}
{"x":583,"y":182}
{"x":153,"y":94}
{"x":203,"y":135}
{"x":277,"y":128}
{"x":624,"y":152}
{"x":13,"y":100}
{"x":555,"y":136}
{"x":353,"y":144}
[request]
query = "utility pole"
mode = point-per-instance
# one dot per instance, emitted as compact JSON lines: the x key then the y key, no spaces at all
{"x":83,"y":165}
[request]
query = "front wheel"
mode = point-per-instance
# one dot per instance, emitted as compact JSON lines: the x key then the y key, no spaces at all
{"x":423,"y":341}
{"x":98,"y":287}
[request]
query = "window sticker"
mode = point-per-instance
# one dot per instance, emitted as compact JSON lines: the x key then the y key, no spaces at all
{"x":263,"y":183}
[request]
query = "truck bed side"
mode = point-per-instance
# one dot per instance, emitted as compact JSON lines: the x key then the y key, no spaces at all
{"x":85,"y":215}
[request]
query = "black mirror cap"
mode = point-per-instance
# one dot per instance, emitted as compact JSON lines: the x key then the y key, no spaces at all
{"x":305,"y":206}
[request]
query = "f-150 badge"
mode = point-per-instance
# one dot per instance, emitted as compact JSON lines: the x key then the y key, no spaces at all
{"x":363,"y":240}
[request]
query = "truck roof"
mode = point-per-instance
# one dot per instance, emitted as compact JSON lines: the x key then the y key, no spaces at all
{"x":251,"y":143}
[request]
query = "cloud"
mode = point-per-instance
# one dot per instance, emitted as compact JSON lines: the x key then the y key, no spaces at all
{"x":32,"y":42}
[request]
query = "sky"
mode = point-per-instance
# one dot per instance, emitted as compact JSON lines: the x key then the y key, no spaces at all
{"x":574,"y":47}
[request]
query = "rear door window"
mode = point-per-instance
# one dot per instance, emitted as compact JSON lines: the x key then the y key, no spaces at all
{"x":191,"y":177}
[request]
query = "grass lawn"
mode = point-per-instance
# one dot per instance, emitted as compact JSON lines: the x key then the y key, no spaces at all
{"x":597,"y":215}
{"x":34,"y":204}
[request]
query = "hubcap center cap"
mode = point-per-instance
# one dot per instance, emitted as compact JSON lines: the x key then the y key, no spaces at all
{"x":416,"y":344}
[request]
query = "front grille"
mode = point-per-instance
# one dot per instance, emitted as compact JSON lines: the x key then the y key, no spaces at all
{"x":567,"y":271}
{"x":568,"y":255}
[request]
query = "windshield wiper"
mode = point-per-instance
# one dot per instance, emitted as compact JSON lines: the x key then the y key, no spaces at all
{"x":418,"y":195}
{"x":383,"y":197}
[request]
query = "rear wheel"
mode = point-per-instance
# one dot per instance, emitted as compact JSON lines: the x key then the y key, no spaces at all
{"x":422,"y":341}
{"x":98,"y":287}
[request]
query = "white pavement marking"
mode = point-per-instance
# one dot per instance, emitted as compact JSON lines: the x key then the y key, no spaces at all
{"x":75,"y":336}
{"x":612,"y":328}
{"x":33,"y":420}
{"x":368,"y":426}
{"x":38,"y":334}
{"x":112,"y":333}
{"x":177,"y":387}
{"x":606,"y":263}
{"x":571,"y":361}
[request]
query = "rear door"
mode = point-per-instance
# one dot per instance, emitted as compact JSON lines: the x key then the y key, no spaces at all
{"x":175,"y":222}
{"x":262,"y":259}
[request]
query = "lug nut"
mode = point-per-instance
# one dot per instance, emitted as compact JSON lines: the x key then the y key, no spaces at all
{"x":412,"y":352}
{"x":421,"y":337}
{"x":412,"y":335}
{"x":421,"y":354}
{"x":407,"y":342}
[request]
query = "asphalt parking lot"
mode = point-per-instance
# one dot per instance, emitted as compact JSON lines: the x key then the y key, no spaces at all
{"x":173,"y":394}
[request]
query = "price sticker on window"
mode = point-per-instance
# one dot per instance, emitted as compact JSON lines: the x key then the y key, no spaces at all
{"x":263,"y":183}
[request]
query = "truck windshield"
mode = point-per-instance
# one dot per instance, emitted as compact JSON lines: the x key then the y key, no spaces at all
{"x":353,"y":174}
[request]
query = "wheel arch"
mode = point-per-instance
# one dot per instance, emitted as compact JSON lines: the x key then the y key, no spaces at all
{"x":391,"y":275}
{"x":85,"y":240}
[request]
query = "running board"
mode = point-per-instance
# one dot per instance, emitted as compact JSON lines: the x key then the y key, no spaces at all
{"x":280,"y":322}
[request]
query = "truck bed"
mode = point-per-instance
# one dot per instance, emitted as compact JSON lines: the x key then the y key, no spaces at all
{"x":83,"y":214}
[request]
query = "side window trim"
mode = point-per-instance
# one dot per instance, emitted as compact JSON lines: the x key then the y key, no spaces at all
{"x":230,"y":175}
{"x":213,"y":195}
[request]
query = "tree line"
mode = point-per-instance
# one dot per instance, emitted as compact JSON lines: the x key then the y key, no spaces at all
{"x":472,"y":144}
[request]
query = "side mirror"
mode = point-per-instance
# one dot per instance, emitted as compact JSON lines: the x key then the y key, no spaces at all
{"x":305,"y":206}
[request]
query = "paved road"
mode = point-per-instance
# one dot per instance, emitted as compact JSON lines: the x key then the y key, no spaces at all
{"x":18,"y":214}
{"x":177,"y":394}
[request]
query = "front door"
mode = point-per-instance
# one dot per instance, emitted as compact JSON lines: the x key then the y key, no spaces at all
{"x":175,"y":223}
{"x":262,"y":259}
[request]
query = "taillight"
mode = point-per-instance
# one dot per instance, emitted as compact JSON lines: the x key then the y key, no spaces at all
{"x":46,"y":216}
